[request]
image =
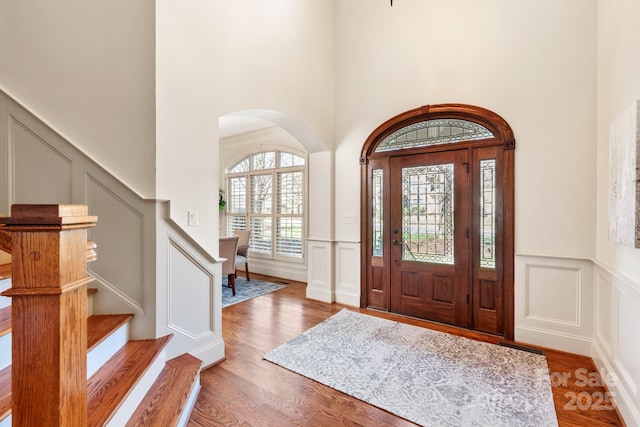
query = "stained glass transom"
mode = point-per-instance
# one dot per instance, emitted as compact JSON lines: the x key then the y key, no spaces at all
{"x":433,"y":132}
{"x":488,"y":213}
{"x":427,"y":214}
{"x":378,"y":218}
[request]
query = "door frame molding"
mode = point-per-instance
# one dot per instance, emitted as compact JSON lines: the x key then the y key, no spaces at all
{"x":503,"y":136}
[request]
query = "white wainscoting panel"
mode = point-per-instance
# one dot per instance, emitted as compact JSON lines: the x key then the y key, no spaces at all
{"x":603,"y":336}
{"x":348,"y":273}
{"x":544,"y":283}
{"x":627,"y":346}
{"x":616,"y":346}
{"x":120,"y":236}
{"x":191,"y":290}
{"x":45,"y":173}
{"x":320,"y":272}
{"x":554,"y":302}
{"x":189,"y":295}
{"x":276,"y":268}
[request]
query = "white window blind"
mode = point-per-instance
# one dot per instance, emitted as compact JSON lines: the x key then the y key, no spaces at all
{"x":266,"y":195}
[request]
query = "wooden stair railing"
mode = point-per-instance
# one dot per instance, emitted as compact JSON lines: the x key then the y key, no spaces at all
{"x":49,"y":367}
{"x":5,"y":241}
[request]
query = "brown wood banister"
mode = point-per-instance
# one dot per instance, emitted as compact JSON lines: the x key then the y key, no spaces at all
{"x":5,"y":241}
{"x":49,"y":320}
{"x":91,"y":251}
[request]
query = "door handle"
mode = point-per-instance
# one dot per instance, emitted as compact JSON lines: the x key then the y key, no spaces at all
{"x":395,"y":242}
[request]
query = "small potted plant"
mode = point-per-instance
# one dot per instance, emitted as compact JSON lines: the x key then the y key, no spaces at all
{"x":221,"y":202}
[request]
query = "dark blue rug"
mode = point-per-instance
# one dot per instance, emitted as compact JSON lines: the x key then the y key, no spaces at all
{"x":246,"y":290}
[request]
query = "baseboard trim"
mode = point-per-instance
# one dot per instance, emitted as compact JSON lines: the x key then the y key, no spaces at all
{"x":552,"y":339}
{"x":348,"y":299}
{"x":320,"y":295}
{"x":210,"y":354}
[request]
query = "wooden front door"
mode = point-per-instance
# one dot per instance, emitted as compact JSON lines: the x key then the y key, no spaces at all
{"x":429,"y":206}
{"x":438,"y":219}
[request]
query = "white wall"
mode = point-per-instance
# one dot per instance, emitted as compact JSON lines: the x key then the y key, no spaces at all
{"x":87,"y":70}
{"x":617,"y":286}
{"x":216,"y":58}
{"x":532,"y":62}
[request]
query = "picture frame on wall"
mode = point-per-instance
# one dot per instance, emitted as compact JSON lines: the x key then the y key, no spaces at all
{"x":624,"y":177}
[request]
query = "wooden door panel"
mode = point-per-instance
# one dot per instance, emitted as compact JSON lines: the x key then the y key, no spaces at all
{"x":378,"y":287}
{"x":429,"y":253}
{"x":487,"y":272}
{"x":377,"y":243}
{"x":443,"y":289}
{"x":425,"y":295}
{"x":488,"y":303}
{"x":488,"y":295}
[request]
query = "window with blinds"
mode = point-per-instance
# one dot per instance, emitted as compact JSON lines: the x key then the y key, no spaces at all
{"x":266,"y":195}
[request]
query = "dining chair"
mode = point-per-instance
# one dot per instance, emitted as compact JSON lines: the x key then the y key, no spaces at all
{"x":243,"y":250}
{"x":228,"y":249}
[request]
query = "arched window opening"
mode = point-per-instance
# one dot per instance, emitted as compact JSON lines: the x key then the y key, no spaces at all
{"x":433,"y":132}
{"x":265,"y":194}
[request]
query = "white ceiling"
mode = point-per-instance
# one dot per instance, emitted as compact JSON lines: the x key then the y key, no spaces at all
{"x":234,"y":125}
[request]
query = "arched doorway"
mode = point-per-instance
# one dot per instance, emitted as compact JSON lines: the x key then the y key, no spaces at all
{"x":437,"y":217}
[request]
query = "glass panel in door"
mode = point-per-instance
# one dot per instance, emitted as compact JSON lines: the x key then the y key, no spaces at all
{"x":429,"y":252}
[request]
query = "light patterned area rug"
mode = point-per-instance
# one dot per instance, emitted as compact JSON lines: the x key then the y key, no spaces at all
{"x":246,"y":290}
{"x":428,"y":377}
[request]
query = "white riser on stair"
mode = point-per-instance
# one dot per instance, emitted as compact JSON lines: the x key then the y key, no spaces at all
{"x":90,"y":305}
{"x":5,"y":350}
{"x":106,"y":349}
{"x":136,"y":395}
{"x":4,"y":285}
{"x":193,"y":396}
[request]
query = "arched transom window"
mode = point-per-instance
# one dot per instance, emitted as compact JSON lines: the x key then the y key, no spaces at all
{"x":265,"y":194}
{"x":433,"y":132}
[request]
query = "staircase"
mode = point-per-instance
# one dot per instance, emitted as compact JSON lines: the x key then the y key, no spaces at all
{"x":129,"y":382}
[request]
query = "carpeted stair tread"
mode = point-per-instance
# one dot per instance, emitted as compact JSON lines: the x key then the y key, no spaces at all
{"x":166,"y":399}
{"x":5,"y":321}
{"x":5,"y":392}
{"x":101,"y":326}
{"x":111,"y":384}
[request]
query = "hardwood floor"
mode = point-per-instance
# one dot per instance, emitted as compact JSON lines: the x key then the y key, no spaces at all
{"x":245,"y":390}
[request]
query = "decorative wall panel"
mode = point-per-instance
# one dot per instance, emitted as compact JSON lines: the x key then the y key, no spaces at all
{"x":120,"y":236}
{"x":348,"y":273}
{"x":41,"y":173}
{"x":627,"y":341}
{"x":549,"y":283}
{"x":616,"y":345}
{"x":319,"y":281}
{"x":554,"y":302}
{"x":190,"y":294}
{"x":603,"y":300}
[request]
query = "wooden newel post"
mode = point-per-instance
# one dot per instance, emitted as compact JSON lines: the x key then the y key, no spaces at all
{"x":49,"y":314}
